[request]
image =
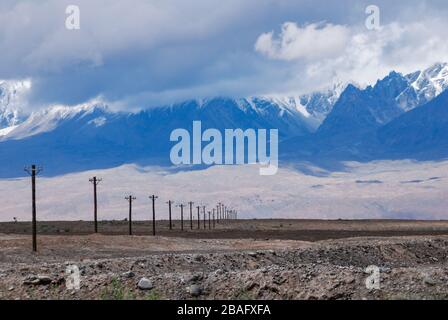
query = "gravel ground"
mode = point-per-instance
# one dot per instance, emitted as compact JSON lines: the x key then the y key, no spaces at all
{"x":123,"y":267}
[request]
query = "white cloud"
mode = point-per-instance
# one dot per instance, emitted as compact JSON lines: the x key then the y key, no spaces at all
{"x":318,"y":55}
{"x":313,"y":41}
{"x":144,"y":53}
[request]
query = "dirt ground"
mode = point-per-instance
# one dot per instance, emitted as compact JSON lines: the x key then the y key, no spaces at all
{"x":253,"y":259}
{"x":306,"y":230}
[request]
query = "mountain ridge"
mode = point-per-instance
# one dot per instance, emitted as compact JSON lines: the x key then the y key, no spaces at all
{"x":88,"y":136}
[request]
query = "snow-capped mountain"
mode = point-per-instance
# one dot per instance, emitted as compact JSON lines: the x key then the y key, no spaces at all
{"x":292,"y":115}
{"x":421,"y":132}
{"x":319,"y":104}
{"x":360,"y":111}
{"x":75,"y":138}
{"x":314,"y":107}
{"x":12,"y":100}
{"x":53,"y":117}
{"x":349,"y":131}
{"x":423,"y":86}
{"x":90,"y":136}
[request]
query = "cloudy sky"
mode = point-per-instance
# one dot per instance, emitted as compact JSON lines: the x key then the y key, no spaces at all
{"x":142,"y":53}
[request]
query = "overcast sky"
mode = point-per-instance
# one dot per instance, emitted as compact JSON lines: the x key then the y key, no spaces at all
{"x":142,"y":53}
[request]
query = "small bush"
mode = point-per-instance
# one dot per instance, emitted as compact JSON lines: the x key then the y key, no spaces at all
{"x":116,"y":291}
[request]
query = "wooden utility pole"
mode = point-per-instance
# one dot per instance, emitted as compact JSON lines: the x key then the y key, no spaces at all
{"x":169,"y":213}
{"x":181,"y":216}
{"x":191,"y":214}
{"x":199,"y":218}
{"x":213,"y":218}
{"x":217,"y":213}
{"x":203,"y":210}
{"x":130,"y":198}
{"x":209,"y":221}
{"x":153,"y":198}
{"x":221,"y":212}
{"x":33,"y":171}
{"x":95,"y":181}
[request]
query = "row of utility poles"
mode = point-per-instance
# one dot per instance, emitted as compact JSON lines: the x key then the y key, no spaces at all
{"x":214,"y":216}
{"x":219,"y":214}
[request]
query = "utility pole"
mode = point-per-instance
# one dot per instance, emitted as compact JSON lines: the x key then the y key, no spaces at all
{"x":95,"y":181}
{"x":203,"y":210}
{"x":169,"y":213}
{"x":199,"y":218}
{"x":191,"y":214}
{"x":213,"y":218}
{"x":217,"y":213}
{"x":209,"y":221}
{"x":181,"y":216}
{"x":153,"y":198}
{"x":33,"y":171}
{"x":130,"y":198}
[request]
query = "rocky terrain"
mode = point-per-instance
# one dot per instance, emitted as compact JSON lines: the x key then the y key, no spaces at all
{"x":123,"y":267}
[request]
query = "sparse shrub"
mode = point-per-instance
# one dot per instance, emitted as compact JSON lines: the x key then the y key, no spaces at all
{"x":153,"y":295}
{"x":116,"y":291}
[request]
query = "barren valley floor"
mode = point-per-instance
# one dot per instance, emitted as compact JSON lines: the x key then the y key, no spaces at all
{"x":259,"y":259}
